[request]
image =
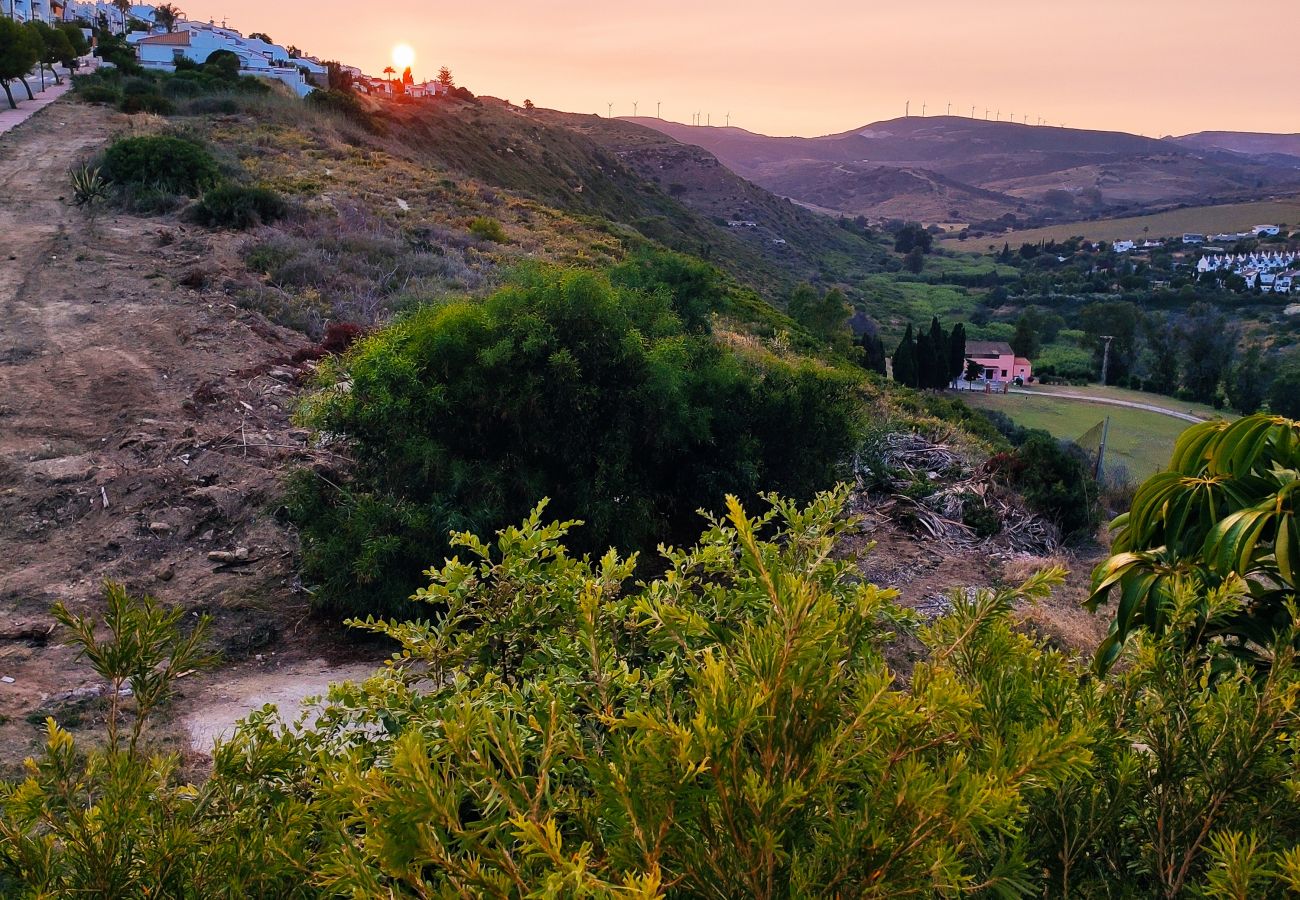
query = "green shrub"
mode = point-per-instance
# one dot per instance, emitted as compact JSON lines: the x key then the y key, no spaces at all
{"x":462,"y":416}
{"x":161,"y":162}
{"x":239,"y":207}
{"x":99,"y":93}
{"x":488,"y":229}
{"x":1056,"y":481}
{"x":223,"y":64}
{"x":147,"y":103}
{"x":203,"y":106}
{"x":148,"y":200}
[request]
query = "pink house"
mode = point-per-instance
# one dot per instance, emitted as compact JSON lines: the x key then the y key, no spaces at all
{"x":998,"y":360}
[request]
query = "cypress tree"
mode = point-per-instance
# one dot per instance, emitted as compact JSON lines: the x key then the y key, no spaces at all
{"x":873,"y":352}
{"x":939,"y":377}
{"x":905,"y":360}
{"x":924,"y":360}
{"x":957,"y":351}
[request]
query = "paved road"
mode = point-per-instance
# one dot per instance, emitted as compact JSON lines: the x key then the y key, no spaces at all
{"x":1111,"y":401}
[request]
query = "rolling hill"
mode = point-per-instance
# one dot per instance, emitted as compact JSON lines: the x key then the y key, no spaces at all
{"x":670,"y":192}
{"x":1250,"y":143}
{"x":961,"y":170}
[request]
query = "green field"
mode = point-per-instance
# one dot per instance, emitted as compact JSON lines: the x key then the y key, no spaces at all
{"x":1141,"y":441}
{"x":1202,"y":219}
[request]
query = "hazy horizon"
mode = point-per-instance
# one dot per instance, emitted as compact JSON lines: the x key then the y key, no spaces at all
{"x":1162,"y":68}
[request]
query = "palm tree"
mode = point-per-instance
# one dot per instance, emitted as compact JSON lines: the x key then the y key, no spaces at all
{"x":166,"y":16}
{"x":124,"y":7}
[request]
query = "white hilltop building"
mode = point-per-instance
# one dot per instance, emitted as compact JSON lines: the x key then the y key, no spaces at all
{"x":92,"y":10}
{"x":32,"y":10}
{"x":196,"y":41}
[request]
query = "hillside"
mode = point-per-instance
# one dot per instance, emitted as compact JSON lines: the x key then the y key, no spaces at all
{"x":622,"y":173}
{"x":151,"y":366}
{"x":1250,"y":143}
{"x":987,"y":169}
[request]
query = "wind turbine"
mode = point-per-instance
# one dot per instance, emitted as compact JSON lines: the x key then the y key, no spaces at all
{"x":728,"y":120}
{"x":658,"y":106}
{"x":923,"y":109}
{"x":950,"y":107}
{"x":907,"y":108}
{"x":634,"y":109}
{"x":972,"y":112}
{"x":609,"y":111}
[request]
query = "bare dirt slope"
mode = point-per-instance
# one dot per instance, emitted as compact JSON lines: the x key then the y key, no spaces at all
{"x":143,"y":423}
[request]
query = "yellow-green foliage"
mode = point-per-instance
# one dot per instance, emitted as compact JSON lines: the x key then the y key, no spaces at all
{"x":728,"y":728}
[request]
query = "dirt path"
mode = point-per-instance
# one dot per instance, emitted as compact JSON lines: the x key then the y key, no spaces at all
{"x":143,"y":424}
{"x":1111,"y":401}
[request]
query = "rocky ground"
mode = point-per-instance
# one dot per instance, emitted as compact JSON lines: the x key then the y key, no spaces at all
{"x":144,"y":426}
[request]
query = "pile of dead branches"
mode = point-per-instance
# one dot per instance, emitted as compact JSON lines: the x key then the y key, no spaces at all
{"x":930,"y":487}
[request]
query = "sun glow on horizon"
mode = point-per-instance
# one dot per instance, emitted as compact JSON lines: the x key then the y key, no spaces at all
{"x":403,"y":57}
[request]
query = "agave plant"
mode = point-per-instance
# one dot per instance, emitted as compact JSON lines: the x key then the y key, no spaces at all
{"x":1226,"y":506}
{"x":89,"y":186}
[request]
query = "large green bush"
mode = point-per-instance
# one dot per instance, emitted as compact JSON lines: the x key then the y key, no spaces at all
{"x":162,"y":162}
{"x":462,"y":416}
{"x":239,"y":207}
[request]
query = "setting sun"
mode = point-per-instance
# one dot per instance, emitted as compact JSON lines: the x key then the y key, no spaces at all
{"x":403,"y":56}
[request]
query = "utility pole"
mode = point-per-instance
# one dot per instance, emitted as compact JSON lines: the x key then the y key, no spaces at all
{"x":1105,"y":357}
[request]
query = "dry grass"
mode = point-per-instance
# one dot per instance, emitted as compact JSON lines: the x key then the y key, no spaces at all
{"x":1228,"y":217}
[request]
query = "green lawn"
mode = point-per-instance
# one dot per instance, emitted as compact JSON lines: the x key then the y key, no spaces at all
{"x":1140,"y":441}
{"x":1200,"y":410}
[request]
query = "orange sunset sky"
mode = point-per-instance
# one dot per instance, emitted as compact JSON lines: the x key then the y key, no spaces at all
{"x":1153,"y":67}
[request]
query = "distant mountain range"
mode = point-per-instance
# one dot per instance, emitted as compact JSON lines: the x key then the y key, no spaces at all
{"x":1250,"y":143}
{"x":955,"y":170}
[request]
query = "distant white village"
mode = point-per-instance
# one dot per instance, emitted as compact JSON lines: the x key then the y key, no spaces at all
{"x":1271,"y":271}
{"x":159,"y":45}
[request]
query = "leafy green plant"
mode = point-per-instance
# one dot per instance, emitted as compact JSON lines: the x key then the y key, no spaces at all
{"x":239,"y":207}
{"x":143,"y":655}
{"x":1224,"y":509}
{"x":89,"y":187}
{"x":163,"y":162}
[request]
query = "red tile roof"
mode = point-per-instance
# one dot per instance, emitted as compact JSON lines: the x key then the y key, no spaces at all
{"x":179,"y":38}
